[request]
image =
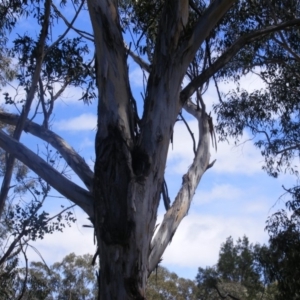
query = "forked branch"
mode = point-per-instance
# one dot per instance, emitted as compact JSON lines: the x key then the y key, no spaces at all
{"x":67,"y":188}
{"x":74,"y":160}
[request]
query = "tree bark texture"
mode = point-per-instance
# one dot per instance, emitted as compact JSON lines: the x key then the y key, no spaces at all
{"x":130,"y":163}
{"x":123,"y":193}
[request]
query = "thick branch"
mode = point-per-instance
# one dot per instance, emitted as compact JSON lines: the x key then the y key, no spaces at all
{"x":74,"y":160}
{"x":189,"y":90}
{"x":181,"y":205}
{"x":64,"y":186}
{"x":212,"y":15}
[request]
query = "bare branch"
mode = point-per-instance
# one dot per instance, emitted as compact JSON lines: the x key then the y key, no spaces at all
{"x":26,"y":275}
{"x":60,"y":213}
{"x":70,"y":25}
{"x":64,"y":186}
{"x":82,"y":33}
{"x":190,"y":89}
{"x":190,"y":132}
{"x":165,"y":195}
{"x":74,"y":160}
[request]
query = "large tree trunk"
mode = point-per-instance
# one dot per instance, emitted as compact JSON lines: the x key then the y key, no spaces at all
{"x":123,"y":260}
{"x":130,"y":162}
{"x":129,"y":166}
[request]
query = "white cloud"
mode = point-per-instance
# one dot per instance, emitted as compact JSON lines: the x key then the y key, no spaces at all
{"x":224,"y":192}
{"x":198,"y":239}
{"x":77,"y":239}
{"x":243,"y":159}
{"x":137,"y":77}
{"x":249,"y":82}
{"x":83,"y":122}
{"x":86,"y":143}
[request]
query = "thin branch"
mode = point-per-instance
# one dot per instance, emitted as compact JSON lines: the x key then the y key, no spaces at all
{"x":42,"y":100}
{"x":165,"y":195}
{"x":70,"y":25}
{"x":214,"y":77}
{"x":294,"y":147}
{"x":260,"y":131}
{"x":26,"y":274}
{"x":82,"y":33}
{"x":21,"y":234}
{"x":61,"y":212}
{"x":190,"y":132}
{"x":10,"y":249}
{"x":40,"y":255}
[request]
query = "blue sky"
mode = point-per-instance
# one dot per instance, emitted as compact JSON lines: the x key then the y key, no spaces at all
{"x":235,"y":197}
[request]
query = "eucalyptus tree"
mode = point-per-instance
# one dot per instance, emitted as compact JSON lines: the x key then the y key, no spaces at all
{"x":201,"y":40}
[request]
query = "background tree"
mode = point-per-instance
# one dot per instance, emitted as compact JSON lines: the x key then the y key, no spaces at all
{"x":72,"y":278}
{"x":240,"y":273}
{"x":163,"y":284}
{"x":202,"y":39}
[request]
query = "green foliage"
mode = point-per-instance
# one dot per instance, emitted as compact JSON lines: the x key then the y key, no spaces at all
{"x":282,"y":261}
{"x":239,"y":273}
{"x":271,"y":114}
{"x":72,"y":278}
{"x":75,"y":278}
{"x":9,"y":278}
{"x":163,"y":284}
